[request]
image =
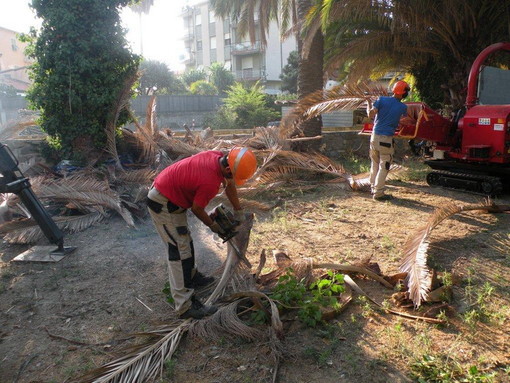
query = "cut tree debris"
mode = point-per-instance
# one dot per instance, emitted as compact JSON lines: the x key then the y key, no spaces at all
{"x":86,"y":196}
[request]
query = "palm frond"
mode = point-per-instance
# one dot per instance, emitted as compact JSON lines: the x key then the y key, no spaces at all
{"x":12,"y":130}
{"x":143,"y":138}
{"x":138,"y":176}
{"x":177,"y":148}
{"x":145,"y":362}
{"x":310,"y":162}
{"x":350,"y":96}
{"x":28,"y":231}
{"x":120,"y":104}
{"x":415,"y":251}
{"x":85,"y":193}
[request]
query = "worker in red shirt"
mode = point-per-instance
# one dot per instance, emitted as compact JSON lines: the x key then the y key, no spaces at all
{"x":190,"y":184}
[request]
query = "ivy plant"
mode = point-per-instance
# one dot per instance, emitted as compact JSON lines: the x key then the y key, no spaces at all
{"x":82,"y":60}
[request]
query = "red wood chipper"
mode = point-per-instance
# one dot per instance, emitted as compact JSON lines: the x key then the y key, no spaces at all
{"x":471,"y":150}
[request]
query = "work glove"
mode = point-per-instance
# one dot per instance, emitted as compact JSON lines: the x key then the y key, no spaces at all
{"x":216,"y":228}
{"x":240,"y":216}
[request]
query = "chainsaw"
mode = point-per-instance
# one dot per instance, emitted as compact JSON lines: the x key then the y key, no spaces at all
{"x":225,"y":219}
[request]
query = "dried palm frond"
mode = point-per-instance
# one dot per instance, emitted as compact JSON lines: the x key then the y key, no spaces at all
{"x":85,"y":193}
{"x":137,"y":176}
{"x":361,"y":182}
{"x":348,"y":281}
{"x":415,"y":251}
{"x":175,"y":147}
{"x":12,"y":130}
{"x":143,"y":138}
{"x":310,"y":162}
{"x":227,"y":322}
{"x":277,"y":174}
{"x":28,"y":231}
{"x":265,"y":138}
{"x":349,"y":96}
{"x":145,"y":362}
{"x":121,"y":103}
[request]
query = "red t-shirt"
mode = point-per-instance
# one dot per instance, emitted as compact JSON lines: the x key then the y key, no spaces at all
{"x":194,"y":179}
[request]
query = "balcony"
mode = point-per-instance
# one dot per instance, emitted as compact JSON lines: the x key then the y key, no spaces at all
{"x":249,"y":74}
{"x":246,"y":48}
{"x":188,"y":35}
{"x":187,"y":11}
{"x":188,"y":60}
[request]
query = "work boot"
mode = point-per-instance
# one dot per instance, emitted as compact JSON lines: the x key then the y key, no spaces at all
{"x":200,"y":280}
{"x":198,"y":310}
{"x":384,"y":197}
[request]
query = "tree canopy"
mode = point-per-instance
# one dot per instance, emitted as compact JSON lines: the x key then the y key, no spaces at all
{"x":203,"y":88}
{"x":289,"y":74}
{"x":193,"y":75}
{"x":156,"y":76}
{"x":220,"y":77}
{"x":82,"y":65}
{"x":436,"y":41}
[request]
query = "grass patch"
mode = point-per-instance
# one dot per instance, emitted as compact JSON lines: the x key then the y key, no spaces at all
{"x":355,"y":164}
{"x":439,"y":368}
{"x":416,"y":171}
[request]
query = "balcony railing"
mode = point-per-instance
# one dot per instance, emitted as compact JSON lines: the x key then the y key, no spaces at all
{"x":246,"y":48}
{"x":249,"y":74}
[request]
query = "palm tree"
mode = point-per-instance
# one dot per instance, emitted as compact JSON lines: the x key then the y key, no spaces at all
{"x":221,"y":77}
{"x":436,"y":41}
{"x":141,"y":7}
{"x":290,"y":14}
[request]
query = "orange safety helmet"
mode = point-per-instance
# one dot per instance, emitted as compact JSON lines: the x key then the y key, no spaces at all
{"x":242,"y":163}
{"x":400,"y":88}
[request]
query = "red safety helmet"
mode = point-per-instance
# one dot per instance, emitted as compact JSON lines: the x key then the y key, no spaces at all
{"x":242,"y":163}
{"x":400,"y":88}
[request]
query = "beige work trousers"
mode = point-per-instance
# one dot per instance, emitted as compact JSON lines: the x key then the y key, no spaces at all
{"x":381,"y":155}
{"x":173,"y":230}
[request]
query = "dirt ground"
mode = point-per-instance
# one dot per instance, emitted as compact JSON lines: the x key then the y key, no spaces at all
{"x":63,"y":319}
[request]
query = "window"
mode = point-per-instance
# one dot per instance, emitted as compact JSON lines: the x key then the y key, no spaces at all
{"x":14,"y":46}
{"x":198,"y":19}
{"x":212,"y":17}
{"x":199,"y":45}
{"x":247,"y":62}
{"x":227,"y":40}
{"x":213,"y":42}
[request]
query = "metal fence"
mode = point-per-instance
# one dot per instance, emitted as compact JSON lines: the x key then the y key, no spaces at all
{"x":168,"y":104}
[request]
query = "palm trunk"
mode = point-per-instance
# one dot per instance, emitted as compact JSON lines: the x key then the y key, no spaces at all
{"x":310,"y":76}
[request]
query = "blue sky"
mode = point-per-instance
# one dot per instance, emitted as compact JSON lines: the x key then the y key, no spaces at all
{"x":162,"y":28}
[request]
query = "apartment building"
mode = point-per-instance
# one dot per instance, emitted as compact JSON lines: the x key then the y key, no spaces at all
{"x":13,"y":62}
{"x":209,"y":39}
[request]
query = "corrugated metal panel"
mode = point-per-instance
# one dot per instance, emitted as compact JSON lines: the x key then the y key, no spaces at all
{"x":171,"y":104}
{"x":493,"y":86}
{"x":339,"y":118}
{"x":13,"y":103}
